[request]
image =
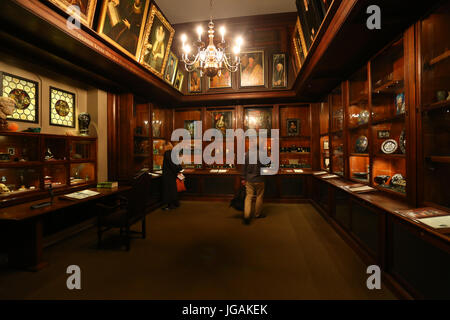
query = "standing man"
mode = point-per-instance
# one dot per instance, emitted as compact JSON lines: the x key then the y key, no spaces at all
{"x":254,"y":183}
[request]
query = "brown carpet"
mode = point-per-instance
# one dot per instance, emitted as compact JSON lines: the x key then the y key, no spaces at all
{"x":203,"y":251}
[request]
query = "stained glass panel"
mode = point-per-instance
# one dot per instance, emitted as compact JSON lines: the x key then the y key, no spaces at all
{"x":25,"y":93}
{"x":62,"y":108}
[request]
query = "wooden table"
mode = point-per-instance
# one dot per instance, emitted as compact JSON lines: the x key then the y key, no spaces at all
{"x":26,"y":247}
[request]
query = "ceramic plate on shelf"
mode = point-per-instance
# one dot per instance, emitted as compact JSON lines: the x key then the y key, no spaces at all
{"x":402,"y":141}
{"x":361,"y":144}
{"x":389,"y":146}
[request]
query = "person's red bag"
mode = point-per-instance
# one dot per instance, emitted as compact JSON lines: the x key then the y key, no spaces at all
{"x":180,"y":185}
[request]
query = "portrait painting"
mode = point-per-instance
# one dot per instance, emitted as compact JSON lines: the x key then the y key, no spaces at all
{"x":279,"y":79}
{"x":222,"y":120}
{"x":122,"y":24}
{"x":157,"y":41}
{"x":195,"y":82}
{"x":252,"y":69}
{"x":189,"y":126}
{"x":86,"y":9}
{"x":171,"y":69}
{"x":293,"y":127}
{"x":259,"y":118}
{"x":178,"y":84}
{"x":224,"y":81}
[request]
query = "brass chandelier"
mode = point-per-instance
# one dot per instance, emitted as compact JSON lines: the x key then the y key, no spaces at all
{"x":210,"y":59}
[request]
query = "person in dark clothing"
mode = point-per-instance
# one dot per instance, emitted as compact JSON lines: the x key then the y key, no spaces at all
{"x":254,"y":183}
{"x":169,"y":176}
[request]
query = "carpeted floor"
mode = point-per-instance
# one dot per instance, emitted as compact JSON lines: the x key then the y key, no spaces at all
{"x":203,"y":251}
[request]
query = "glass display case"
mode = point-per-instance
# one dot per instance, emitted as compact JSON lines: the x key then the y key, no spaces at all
{"x":388,"y":119}
{"x":186,"y":119}
{"x":31,"y":162}
{"x":18,"y":148}
{"x":324,"y":120}
{"x":358,"y":126}
{"x":55,"y":175}
{"x":82,"y":149}
{"x":295,"y":136}
{"x":142,"y":153}
{"x":18,"y":180}
{"x":337,"y":131}
{"x":82,"y":173}
{"x":435,"y":103}
{"x":54,"y":149}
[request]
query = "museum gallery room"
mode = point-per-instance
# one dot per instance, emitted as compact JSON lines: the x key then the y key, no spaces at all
{"x":224,"y":150}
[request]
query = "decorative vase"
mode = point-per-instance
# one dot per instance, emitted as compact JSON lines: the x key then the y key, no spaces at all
{"x":84,"y":119}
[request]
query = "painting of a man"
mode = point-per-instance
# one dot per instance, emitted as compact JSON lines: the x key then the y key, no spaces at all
{"x":86,"y":7}
{"x":252,"y":69}
{"x":122,"y":22}
{"x":279,"y":72}
{"x":169,"y":74}
{"x":224,"y":81}
{"x":222,"y":121}
{"x":194,"y":82}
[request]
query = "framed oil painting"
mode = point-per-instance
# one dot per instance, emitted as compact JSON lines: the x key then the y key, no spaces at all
{"x":86,"y":7}
{"x":279,"y":72}
{"x":171,"y":69}
{"x":157,"y":41}
{"x":178,"y":84}
{"x":25,"y":94}
{"x":299,"y":43}
{"x":62,"y":108}
{"x":252,"y":69}
{"x":189,"y":126}
{"x":224,"y":81}
{"x":293,"y":127}
{"x":222,"y":120}
{"x":122,"y":24}
{"x":258,"y":118}
{"x":195,"y":82}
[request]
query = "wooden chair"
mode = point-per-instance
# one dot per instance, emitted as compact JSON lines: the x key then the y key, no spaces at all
{"x":126,"y":211}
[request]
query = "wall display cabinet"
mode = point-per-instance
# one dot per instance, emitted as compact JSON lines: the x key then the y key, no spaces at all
{"x":31,"y":162}
{"x":435,"y":108}
{"x":324,"y":122}
{"x":337,"y":131}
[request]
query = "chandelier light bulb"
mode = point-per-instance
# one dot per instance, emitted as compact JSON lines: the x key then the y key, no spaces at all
{"x":222,"y":33}
{"x":239,"y":41}
{"x":236,"y":50}
{"x":183,"y":38}
{"x":187,"y":49}
{"x":199,"y":32}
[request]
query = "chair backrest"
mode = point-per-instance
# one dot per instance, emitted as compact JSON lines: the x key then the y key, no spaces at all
{"x":139,"y":194}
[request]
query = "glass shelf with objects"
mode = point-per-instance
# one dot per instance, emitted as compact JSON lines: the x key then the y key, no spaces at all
{"x":337,"y":131}
{"x":358,"y":126}
{"x":82,"y":150}
{"x":142,"y":149}
{"x":324,"y":121}
{"x":435,"y":107}
{"x":388,"y":129}
{"x":18,"y":149}
{"x":82,"y":173}
{"x":55,"y":175}
{"x":55,"y":149}
{"x":17,"y":181}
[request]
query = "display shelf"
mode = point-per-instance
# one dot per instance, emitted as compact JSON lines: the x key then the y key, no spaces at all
{"x":442,"y":57}
{"x":397,"y":117}
{"x":439,"y":159}
{"x":438,"y":105}
{"x":27,"y":179}
{"x":389,"y":87}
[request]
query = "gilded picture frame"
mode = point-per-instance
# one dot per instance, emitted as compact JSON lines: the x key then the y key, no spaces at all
{"x":222,"y":82}
{"x":252,"y":70}
{"x":123,"y":26}
{"x":178,"y":83}
{"x":195,"y":82}
{"x":171,"y":68}
{"x":156,"y":26}
{"x":87,"y":9}
{"x":279,"y":70}
{"x":298,"y":40}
